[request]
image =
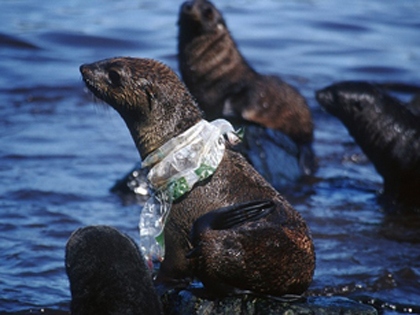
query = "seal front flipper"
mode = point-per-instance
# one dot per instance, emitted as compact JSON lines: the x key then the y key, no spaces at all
{"x":232,"y":216}
{"x":227,"y":218}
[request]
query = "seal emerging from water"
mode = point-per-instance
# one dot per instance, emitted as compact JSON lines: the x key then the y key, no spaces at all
{"x":387,"y":131}
{"x":223,"y":82}
{"x":251,"y":238}
{"x":108,"y":275}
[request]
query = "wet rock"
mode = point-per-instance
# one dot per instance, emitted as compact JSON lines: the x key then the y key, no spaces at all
{"x":276,"y":156}
{"x":185,"y":302}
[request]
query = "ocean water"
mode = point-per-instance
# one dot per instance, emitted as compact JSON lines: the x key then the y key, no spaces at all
{"x":61,"y":152}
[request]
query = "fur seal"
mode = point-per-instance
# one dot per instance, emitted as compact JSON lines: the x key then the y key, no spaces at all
{"x":108,"y":275}
{"x":386,"y":130}
{"x":223,"y":82}
{"x":272,"y":254}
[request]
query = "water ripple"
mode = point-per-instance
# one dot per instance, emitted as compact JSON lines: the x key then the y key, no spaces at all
{"x":14,"y":42}
{"x":59,"y":154}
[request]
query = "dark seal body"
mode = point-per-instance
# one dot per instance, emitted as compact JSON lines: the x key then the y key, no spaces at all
{"x":223,"y":82}
{"x":387,"y":131}
{"x":108,"y":275}
{"x":273,"y":254}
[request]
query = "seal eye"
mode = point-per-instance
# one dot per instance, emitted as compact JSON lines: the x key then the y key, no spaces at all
{"x":115,"y":77}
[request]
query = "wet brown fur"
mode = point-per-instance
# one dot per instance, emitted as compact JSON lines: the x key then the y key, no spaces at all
{"x":108,"y":275}
{"x":275,"y":253}
{"x":224,"y":84}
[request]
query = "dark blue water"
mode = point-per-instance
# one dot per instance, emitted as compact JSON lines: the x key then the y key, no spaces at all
{"x":60,"y":153}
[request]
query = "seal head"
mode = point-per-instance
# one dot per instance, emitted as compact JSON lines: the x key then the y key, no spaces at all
{"x":192,"y":13}
{"x":143,"y":98}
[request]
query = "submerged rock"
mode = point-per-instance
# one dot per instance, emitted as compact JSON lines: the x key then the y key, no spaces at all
{"x":276,"y":156}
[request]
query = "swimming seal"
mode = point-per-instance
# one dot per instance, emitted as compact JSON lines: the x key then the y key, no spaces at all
{"x":223,"y":82}
{"x":387,"y":131}
{"x":108,"y":275}
{"x":273,"y":253}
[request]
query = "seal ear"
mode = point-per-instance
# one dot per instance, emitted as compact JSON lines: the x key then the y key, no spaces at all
{"x":147,"y":88}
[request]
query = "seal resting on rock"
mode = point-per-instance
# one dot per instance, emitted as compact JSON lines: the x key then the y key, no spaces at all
{"x":108,"y":275}
{"x":267,"y":246}
{"x":386,"y":130}
{"x":225,"y":85}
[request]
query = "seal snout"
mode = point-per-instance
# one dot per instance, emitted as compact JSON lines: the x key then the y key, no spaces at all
{"x":87,"y":73}
{"x":93,"y":79}
{"x":86,"y":70}
{"x":82,"y":68}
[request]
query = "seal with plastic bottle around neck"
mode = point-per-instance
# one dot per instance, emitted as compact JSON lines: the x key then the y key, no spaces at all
{"x":241,"y":225}
{"x":176,"y":166}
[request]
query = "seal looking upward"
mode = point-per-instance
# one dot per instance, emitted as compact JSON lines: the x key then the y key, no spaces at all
{"x":387,"y":131}
{"x":223,"y":82}
{"x":273,"y":252}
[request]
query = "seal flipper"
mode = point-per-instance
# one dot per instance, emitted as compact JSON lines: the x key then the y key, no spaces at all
{"x":224,"y":219}
{"x":228,"y":217}
{"x":233,"y":216}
